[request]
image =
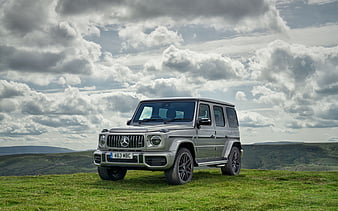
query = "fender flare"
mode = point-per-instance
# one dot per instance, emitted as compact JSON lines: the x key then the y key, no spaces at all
{"x":183,"y":142}
{"x":231,"y":143}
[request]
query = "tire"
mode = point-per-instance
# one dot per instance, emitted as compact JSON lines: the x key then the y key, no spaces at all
{"x":182,"y":170}
{"x":233,"y":166}
{"x":111,"y":173}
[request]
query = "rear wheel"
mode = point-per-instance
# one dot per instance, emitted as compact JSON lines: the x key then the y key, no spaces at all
{"x":233,"y":166}
{"x":182,"y":170}
{"x":111,"y":173}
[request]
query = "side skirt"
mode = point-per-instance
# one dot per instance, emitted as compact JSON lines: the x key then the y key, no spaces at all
{"x":212,"y":162}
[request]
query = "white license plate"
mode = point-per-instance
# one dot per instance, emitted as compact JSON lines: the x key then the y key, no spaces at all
{"x":121,"y":155}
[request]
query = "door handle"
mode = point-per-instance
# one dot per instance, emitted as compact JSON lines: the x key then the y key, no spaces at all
{"x":212,"y":136}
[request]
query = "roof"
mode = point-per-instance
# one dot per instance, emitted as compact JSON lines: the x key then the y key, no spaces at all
{"x":190,"y":98}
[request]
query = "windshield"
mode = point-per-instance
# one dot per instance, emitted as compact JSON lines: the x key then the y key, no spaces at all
{"x":165,"y":111}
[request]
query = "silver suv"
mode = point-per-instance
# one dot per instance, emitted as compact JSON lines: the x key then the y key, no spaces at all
{"x":173,"y":135}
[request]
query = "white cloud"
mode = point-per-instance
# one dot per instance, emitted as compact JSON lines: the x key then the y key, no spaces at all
{"x":241,"y":96}
{"x":301,"y":80}
{"x":12,"y":127}
{"x":135,"y":37}
{"x":10,"y":89}
{"x":170,"y":87}
{"x":254,"y":119}
{"x":198,"y":66}
{"x":320,"y":1}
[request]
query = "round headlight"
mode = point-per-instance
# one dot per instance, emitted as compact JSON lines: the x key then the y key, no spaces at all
{"x":102,"y":140}
{"x":155,"y":140}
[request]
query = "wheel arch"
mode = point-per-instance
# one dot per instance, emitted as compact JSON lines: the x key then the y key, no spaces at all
{"x":233,"y":143}
{"x":188,"y":144}
{"x":191,"y":148}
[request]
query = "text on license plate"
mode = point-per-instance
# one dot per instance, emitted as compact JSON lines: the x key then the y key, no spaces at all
{"x":121,"y":155}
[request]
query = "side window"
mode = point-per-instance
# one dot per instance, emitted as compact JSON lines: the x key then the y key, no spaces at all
{"x":232,"y":117}
{"x":219,"y":116}
{"x":204,"y":111}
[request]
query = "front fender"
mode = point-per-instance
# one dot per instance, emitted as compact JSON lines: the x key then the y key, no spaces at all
{"x":178,"y":142}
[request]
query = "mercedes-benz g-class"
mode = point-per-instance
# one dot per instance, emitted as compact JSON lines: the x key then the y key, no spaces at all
{"x":173,"y":135}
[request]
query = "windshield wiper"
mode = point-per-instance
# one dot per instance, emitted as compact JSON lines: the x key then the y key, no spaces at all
{"x":151,"y":120}
{"x":177,"y":119}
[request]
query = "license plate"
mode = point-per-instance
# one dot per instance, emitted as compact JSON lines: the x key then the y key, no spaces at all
{"x":121,"y":155}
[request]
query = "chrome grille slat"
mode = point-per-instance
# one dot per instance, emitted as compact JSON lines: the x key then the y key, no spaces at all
{"x":135,"y":141}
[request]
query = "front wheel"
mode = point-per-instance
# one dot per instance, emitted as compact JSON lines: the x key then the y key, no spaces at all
{"x":182,"y":170}
{"x":233,"y":166}
{"x":111,"y":173}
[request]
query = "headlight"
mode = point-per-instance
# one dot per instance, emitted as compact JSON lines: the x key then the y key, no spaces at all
{"x":102,"y":140}
{"x":155,"y":140}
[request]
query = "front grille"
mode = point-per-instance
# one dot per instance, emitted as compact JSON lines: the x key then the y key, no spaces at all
{"x":134,"y":141}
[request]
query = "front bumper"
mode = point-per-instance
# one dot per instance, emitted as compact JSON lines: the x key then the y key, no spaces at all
{"x":139,"y":160}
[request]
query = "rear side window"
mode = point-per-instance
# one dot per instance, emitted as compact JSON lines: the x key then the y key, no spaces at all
{"x":232,"y":117}
{"x":219,"y":116}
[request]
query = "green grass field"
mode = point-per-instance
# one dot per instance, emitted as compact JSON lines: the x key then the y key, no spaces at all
{"x":145,"y":190}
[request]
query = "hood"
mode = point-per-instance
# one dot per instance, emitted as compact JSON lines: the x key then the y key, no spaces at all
{"x":149,"y":128}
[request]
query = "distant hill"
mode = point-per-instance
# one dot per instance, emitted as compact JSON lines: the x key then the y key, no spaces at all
{"x":31,"y":150}
{"x":51,"y":163}
{"x":295,"y":157}
{"x":277,"y":143}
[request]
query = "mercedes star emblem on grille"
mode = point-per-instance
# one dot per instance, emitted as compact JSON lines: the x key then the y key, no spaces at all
{"x":124,"y":141}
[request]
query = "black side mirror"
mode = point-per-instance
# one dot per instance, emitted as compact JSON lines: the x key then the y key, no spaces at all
{"x":203,"y":121}
{"x":128,"y":122}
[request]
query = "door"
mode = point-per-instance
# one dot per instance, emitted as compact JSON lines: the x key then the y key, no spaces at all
{"x":205,"y":149}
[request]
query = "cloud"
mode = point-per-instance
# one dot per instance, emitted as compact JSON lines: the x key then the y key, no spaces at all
{"x":254,"y":119}
{"x":8,"y":105}
{"x":62,"y":112}
{"x":135,"y":37}
{"x":330,"y":112}
{"x":320,"y":1}
{"x":12,"y":127}
{"x":24,"y":60}
{"x":300,"y":80}
{"x":74,"y":7}
{"x":170,"y":87}
{"x":10,"y":89}
{"x":76,"y":122}
{"x":201,"y":12}
{"x":197,"y":66}
{"x":120,"y":102}
{"x":42,"y":62}
{"x":24,"y":16}
{"x":241,"y":96}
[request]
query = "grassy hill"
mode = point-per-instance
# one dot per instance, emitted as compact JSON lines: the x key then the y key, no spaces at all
{"x":297,"y":157}
{"x":31,"y":150}
{"x":39,"y":164}
{"x":145,"y":190}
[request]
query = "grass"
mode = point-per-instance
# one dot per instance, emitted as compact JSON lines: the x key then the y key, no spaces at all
{"x":145,"y":190}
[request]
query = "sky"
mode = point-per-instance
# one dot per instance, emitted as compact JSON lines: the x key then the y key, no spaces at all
{"x":69,"y":68}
